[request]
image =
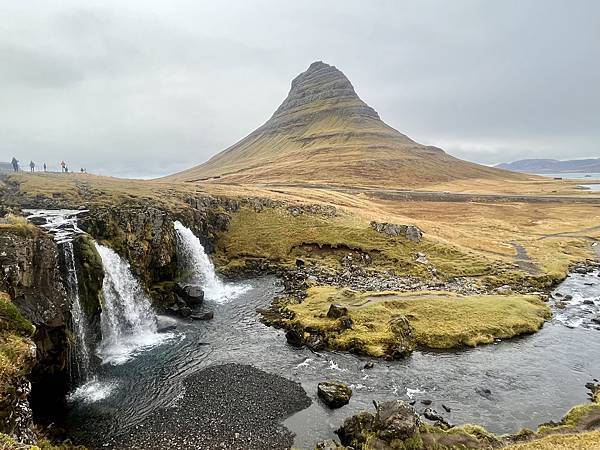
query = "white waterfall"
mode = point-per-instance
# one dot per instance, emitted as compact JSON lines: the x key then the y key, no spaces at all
{"x":127,"y":320}
{"x":202,"y":271}
{"x":80,"y":325}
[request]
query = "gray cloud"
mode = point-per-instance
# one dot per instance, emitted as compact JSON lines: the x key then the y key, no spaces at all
{"x":147,"y":88}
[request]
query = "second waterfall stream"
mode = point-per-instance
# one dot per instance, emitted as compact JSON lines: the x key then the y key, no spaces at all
{"x":128,"y":321}
{"x":194,"y":260}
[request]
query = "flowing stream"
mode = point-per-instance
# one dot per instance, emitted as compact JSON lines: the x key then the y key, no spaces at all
{"x":504,"y":386}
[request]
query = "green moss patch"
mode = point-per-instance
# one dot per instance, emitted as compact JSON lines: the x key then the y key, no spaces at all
{"x":437,"y":319}
{"x":11,"y":319}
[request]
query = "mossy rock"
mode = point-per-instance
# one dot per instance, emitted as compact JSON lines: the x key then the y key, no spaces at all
{"x":12,"y":320}
{"x":91,"y":276}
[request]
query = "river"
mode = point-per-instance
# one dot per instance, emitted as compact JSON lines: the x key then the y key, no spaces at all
{"x":504,"y":386}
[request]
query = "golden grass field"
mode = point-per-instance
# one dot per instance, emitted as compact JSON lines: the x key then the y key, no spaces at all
{"x":475,"y":236}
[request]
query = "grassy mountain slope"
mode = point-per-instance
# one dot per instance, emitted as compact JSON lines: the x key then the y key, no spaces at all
{"x":324,"y":133}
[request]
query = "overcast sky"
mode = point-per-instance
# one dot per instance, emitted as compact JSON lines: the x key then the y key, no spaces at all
{"x":148,"y":87}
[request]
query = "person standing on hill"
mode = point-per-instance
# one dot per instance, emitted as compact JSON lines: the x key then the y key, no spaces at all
{"x":15,"y":164}
{"x":32,"y":166}
{"x":62,"y":166}
{"x":45,"y":167}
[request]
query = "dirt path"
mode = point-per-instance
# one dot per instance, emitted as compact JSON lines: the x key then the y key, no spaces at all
{"x":524,"y":261}
{"x":431,"y":196}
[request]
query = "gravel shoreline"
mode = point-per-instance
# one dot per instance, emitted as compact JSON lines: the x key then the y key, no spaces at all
{"x":229,"y":406}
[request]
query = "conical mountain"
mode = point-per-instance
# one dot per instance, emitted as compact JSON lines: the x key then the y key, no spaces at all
{"x":324,"y":133}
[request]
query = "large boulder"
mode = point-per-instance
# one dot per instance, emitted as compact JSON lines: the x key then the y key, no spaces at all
{"x":334,"y":394}
{"x":396,"y":420}
{"x":357,"y":429}
{"x":336,"y":311}
{"x":191,"y":294}
{"x":295,"y":337}
{"x":404,"y":342}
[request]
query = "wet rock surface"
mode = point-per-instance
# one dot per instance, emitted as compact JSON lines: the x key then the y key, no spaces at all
{"x":31,"y":275}
{"x":229,"y":406}
{"x":393,"y":421}
{"x":334,"y":393}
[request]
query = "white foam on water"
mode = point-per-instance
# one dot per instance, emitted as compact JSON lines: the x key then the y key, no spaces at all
{"x":202,"y":269}
{"x":333,"y":366}
{"x":92,"y":391}
{"x":410,"y":393}
{"x":61,"y":223}
{"x":304,"y":363}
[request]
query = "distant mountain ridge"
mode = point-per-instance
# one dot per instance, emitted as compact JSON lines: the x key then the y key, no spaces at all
{"x":324,"y":133}
{"x":591,"y":165}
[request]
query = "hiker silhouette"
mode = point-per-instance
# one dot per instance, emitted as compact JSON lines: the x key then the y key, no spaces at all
{"x":15,"y":164}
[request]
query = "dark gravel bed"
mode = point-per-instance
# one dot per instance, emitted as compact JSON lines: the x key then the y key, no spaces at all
{"x":229,"y":406}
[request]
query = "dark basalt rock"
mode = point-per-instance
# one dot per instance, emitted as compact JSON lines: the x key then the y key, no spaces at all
{"x":356,"y":429}
{"x":315,"y":343}
{"x":191,"y":294}
{"x":295,"y":337}
{"x":433,"y":415}
{"x":186,"y":311}
{"x":346,"y":323}
{"x":209,"y":315}
{"x":336,"y":311}
{"x":31,"y":275}
{"x":396,"y":420}
{"x":334,"y":393}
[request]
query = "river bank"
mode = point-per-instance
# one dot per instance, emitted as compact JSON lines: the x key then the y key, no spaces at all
{"x":505,"y":386}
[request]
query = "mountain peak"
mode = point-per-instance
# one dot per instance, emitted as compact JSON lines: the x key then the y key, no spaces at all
{"x":323,"y":88}
{"x":323,"y":133}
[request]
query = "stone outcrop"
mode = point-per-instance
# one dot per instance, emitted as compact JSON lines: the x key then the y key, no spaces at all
{"x":31,"y":275}
{"x":393,"y":421}
{"x":410,"y":232}
{"x":144,"y":235}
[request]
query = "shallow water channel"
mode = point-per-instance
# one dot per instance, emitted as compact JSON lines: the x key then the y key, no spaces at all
{"x":504,"y":386}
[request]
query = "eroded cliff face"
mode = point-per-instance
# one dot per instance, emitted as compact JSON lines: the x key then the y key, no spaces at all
{"x":31,"y":275}
{"x":144,"y":235}
{"x":17,"y":359}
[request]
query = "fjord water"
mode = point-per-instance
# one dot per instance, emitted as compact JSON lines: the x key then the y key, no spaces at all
{"x":505,"y":386}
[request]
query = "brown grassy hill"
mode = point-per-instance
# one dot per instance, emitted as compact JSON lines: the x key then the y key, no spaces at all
{"x":324,"y":133}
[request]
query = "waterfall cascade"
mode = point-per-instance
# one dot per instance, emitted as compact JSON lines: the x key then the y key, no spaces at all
{"x":127,"y":320}
{"x":80,"y":327}
{"x":62,"y":224}
{"x":194,"y":259}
